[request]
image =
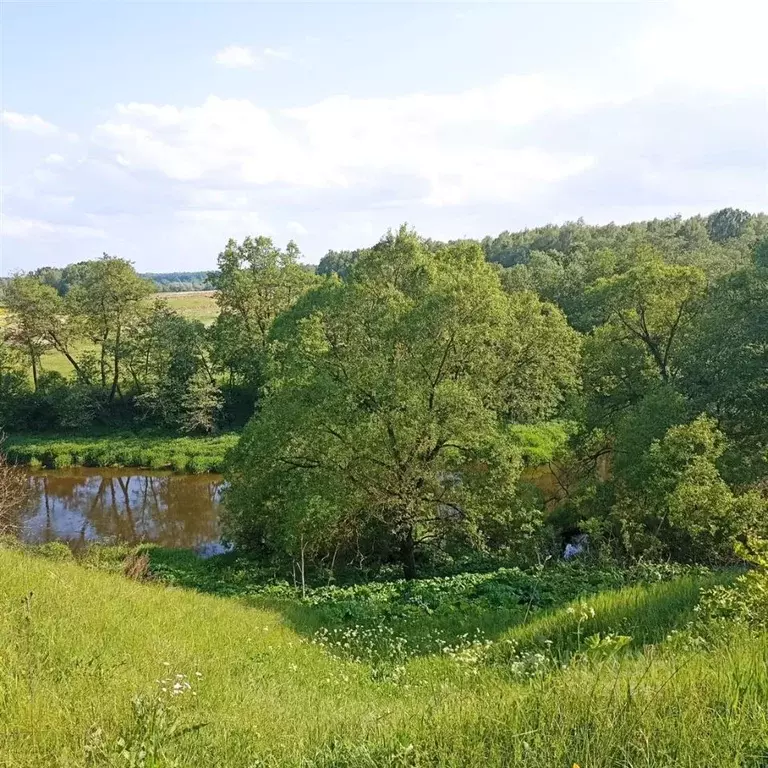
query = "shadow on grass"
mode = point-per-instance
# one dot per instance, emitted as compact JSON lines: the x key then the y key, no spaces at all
{"x":553,"y":606}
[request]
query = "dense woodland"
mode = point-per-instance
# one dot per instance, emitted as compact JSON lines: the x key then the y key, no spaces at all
{"x":396,"y":399}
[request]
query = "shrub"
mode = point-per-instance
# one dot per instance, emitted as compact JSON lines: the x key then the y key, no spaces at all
{"x":62,"y":460}
{"x":746,"y":602}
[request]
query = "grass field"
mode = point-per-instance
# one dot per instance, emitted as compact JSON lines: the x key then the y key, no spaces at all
{"x":194,"y":305}
{"x":99,"y":670}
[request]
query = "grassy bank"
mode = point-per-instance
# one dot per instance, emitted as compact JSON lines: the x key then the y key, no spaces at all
{"x":152,"y":676}
{"x":182,"y":454}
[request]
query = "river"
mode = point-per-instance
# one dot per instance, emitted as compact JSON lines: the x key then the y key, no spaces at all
{"x":129,"y":506}
{"x":125,"y":506}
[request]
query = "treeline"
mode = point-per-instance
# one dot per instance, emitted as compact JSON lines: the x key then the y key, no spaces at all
{"x":63,"y":278}
{"x":404,"y":392}
{"x":175,"y":282}
{"x":123,"y":360}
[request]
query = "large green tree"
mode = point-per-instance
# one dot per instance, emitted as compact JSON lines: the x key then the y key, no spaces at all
{"x":108,"y":296}
{"x":725,"y":364}
{"x":389,"y":404}
{"x":255,"y":282}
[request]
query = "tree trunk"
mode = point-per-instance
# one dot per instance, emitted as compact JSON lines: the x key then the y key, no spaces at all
{"x":104,"y":364}
{"x":115,"y":378}
{"x":408,"y":555}
{"x":63,"y":348}
{"x":33,"y":357}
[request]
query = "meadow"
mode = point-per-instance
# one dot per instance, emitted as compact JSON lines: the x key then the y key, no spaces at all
{"x":101,"y":670}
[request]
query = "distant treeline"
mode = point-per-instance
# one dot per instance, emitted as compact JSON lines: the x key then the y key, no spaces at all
{"x":173,"y":282}
{"x":63,"y":278}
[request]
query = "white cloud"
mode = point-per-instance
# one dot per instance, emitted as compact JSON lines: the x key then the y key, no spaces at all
{"x":17,"y":121}
{"x":237,"y":57}
{"x":705,"y":45}
{"x":243,"y":57}
{"x":22,"y":228}
{"x":297,"y":228}
{"x":278,"y":53}
{"x":54,"y":159}
{"x":448,"y":144}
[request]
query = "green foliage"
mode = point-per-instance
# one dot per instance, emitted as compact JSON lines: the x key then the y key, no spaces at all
{"x":746,"y":601}
{"x":724,"y":366}
{"x":338,"y":262}
{"x":677,"y":505}
{"x":182,"y":454}
{"x":255,"y":282}
{"x":649,"y":306}
{"x":171,"y":282}
{"x":727,"y":224}
{"x":200,"y":404}
{"x":542,"y":443}
{"x":387,"y":407}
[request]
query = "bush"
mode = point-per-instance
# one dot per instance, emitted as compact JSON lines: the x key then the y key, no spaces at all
{"x":746,"y":602}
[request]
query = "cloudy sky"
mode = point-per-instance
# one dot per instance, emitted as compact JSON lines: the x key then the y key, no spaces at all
{"x":156,"y":131}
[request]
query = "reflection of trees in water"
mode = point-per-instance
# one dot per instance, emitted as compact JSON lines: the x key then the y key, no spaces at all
{"x":115,"y":505}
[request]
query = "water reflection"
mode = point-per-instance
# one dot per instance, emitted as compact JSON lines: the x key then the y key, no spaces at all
{"x":123,"y":506}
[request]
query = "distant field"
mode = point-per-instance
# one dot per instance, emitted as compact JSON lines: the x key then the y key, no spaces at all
{"x":194,"y":305}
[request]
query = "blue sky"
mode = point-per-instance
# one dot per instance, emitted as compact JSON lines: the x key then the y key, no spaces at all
{"x":156,"y":131}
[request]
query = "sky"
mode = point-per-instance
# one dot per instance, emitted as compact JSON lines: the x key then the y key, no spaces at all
{"x":156,"y":131}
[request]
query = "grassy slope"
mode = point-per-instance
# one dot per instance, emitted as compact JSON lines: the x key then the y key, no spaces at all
{"x":75,"y":655}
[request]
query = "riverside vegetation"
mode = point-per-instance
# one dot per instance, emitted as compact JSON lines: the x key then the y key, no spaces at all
{"x":397,"y":594}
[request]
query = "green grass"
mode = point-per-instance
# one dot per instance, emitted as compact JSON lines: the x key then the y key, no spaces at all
{"x":82,"y":651}
{"x":182,"y":454}
{"x":196,"y":305}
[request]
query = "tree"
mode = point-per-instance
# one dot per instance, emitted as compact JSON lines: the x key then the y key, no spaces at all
{"x":388,"y":405}
{"x":108,"y":297}
{"x":685,"y":510}
{"x":163,"y":354}
{"x":27,"y":301}
{"x":724,"y":364}
{"x":761,"y":253}
{"x":200,"y":404}
{"x":255,"y":283}
{"x":650,"y":306}
{"x":727,"y":224}
{"x":338,"y":262}
{"x":14,"y":388}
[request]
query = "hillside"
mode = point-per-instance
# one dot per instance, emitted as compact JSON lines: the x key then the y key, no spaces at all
{"x":91,"y":660}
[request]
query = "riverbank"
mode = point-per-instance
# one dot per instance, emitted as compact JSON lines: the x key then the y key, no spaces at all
{"x":194,"y":455}
{"x":154,"y":676}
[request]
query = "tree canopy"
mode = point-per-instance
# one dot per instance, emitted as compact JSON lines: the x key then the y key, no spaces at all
{"x":389,"y":405}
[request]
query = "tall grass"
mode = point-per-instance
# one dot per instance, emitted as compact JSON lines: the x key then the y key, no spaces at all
{"x":182,"y":454}
{"x":85,"y":656}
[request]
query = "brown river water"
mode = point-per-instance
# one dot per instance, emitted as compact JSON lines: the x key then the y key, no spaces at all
{"x":130,"y":506}
{"x":127,"y":506}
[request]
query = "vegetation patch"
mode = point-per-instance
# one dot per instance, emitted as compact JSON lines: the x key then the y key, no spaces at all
{"x":182,"y":454}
